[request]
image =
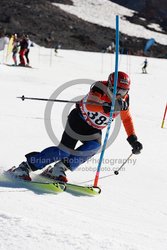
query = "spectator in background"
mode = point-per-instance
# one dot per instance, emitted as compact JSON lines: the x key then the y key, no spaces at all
{"x":58,"y":46}
{"x":15,"y":48}
{"x":3,"y":39}
{"x":28,"y":50}
{"x":23,"y":49}
{"x":111,"y":48}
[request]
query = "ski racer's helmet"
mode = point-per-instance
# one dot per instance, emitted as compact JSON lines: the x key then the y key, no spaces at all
{"x":123,"y":81}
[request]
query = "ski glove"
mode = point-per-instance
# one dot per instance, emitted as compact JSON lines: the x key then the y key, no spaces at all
{"x":106,"y":107}
{"x":120,"y":104}
{"x":136,"y":145}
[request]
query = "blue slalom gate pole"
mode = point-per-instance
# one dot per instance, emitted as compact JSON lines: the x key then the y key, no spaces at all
{"x":112,"y":106}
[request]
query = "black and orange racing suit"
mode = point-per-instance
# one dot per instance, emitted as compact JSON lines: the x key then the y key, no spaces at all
{"x":84,"y":124}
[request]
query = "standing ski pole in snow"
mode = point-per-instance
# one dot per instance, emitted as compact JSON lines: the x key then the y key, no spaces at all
{"x":163,"y":120}
{"x":112,"y":106}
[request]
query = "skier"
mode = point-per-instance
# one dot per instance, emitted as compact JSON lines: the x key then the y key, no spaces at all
{"x":84,"y":124}
{"x":58,"y":46}
{"x":145,"y":66}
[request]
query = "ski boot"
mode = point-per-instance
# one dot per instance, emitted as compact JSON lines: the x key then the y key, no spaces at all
{"x":57,"y":172}
{"x":21,"y":172}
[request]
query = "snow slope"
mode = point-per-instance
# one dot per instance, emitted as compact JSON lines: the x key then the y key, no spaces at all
{"x":102,"y":12}
{"x":131,"y":212}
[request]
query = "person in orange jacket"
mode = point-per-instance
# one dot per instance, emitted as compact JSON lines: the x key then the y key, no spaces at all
{"x":85,"y":123}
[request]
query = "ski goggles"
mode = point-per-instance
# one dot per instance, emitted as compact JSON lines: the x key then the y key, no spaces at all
{"x":121,"y":92}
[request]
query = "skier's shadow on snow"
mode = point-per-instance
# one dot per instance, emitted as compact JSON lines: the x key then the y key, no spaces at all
{"x":18,"y":186}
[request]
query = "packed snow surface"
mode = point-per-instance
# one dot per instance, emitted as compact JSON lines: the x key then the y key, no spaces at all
{"x":131,"y":211}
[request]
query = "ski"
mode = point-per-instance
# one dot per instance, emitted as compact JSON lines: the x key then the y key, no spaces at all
{"x":53,"y":187}
{"x":85,"y":190}
{"x":45,"y":184}
{"x":74,"y":188}
{"x":50,"y":187}
{"x":23,"y":66}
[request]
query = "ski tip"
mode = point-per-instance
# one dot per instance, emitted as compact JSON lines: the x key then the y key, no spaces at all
{"x":84,"y":190}
{"x":97,"y":189}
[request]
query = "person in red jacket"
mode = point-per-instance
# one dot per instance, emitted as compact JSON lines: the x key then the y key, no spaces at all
{"x":23,"y":49}
{"x":85,"y":123}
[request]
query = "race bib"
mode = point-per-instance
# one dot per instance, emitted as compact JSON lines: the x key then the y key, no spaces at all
{"x":95,"y":119}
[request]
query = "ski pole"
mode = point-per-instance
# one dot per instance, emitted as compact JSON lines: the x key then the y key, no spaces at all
{"x":43,"y":99}
{"x":116,"y":172}
{"x":58,"y":100}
